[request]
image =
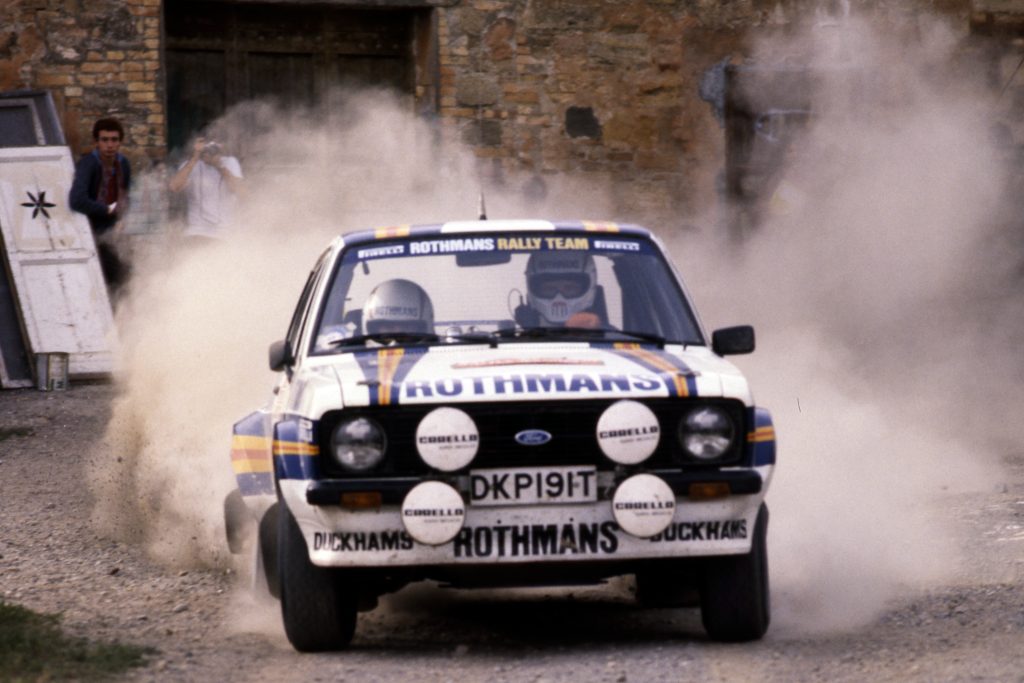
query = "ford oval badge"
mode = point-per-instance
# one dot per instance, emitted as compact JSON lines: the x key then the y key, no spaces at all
{"x":533,"y":437}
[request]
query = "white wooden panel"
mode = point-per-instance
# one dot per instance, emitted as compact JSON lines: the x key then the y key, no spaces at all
{"x":57,"y":278}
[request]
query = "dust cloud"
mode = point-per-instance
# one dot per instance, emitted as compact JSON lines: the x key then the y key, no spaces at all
{"x":197,"y":322}
{"x":877,"y":287}
{"x":882,"y":285}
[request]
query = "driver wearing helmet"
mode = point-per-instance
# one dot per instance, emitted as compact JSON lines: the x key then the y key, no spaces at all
{"x":398,"y":306}
{"x":561,"y":289}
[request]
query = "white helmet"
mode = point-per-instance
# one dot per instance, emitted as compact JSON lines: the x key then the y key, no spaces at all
{"x":398,"y":306}
{"x":560,"y":284}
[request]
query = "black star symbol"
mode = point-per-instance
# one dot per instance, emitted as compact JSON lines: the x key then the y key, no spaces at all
{"x":38,"y":204}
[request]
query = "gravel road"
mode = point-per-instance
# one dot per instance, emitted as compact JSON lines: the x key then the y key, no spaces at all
{"x":206,"y":627}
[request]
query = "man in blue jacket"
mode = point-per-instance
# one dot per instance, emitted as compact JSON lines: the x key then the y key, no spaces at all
{"x":100,"y":191}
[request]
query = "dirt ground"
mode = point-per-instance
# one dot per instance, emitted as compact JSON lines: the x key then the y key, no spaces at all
{"x":206,"y":628}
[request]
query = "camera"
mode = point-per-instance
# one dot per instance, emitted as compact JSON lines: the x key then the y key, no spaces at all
{"x":211,"y":149}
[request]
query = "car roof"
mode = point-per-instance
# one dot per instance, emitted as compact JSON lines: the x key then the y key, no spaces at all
{"x":493,"y":226}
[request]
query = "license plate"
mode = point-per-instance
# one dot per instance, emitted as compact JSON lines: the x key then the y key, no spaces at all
{"x":533,"y":485}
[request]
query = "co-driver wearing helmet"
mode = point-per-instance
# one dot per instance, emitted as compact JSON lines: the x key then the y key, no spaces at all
{"x":398,"y":306}
{"x":562,"y":288}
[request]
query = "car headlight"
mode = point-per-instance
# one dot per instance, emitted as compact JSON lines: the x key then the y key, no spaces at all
{"x":358,"y":444}
{"x":706,"y":433}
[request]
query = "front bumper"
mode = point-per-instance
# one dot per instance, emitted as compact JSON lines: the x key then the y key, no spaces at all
{"x":522,"y":534}
{"x":329,"y":491}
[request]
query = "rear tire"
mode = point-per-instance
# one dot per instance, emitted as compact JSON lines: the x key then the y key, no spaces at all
{"x":734,"y":595}
{"x":319,"y":614}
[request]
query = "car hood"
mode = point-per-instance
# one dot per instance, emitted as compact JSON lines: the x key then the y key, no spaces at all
{"x":531,"y":372}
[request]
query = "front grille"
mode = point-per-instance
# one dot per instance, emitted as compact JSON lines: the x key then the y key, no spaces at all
{"x":572,"y":425}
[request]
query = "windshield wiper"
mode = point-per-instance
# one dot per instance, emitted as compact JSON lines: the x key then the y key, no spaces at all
{"x":489,"y":338}
{"x":540,"y":332}
{"x":492,"y":338}
{"x":385,"y":337}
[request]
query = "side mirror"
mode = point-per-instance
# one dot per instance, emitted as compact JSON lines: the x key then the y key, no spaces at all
{"x":732,"y":341}
{"x":281,"y":355}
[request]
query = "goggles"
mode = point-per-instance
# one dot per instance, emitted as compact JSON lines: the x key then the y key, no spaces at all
{"x":550,"y":285}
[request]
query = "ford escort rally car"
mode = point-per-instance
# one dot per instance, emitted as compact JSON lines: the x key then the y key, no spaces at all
{"x":503,"y":403}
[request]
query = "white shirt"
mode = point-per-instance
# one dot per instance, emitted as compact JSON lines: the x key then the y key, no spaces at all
{"x":211,"y":202}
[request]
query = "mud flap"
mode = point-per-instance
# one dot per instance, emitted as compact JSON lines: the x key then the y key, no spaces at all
{"x":238,"y":522}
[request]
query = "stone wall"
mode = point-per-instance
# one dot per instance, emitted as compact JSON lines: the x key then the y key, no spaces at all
{"x":610,"y":88}
{"x":604,"y":88}
{"x":97,"y":57}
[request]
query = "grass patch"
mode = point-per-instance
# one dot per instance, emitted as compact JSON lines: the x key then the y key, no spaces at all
{"x":8,"y":432}
{"x":33,"y":648}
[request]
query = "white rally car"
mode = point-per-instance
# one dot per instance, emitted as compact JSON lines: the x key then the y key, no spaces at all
{"x":504,"y":403}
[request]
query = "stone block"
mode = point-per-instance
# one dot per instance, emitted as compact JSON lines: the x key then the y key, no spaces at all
{"x":630,"y":130}
{"x":1013,"y":6}
{"x":99,"y":68}
{"x":9,"y":79}
{"x":655,"y":82}
{"x":50,"y":80}
{"x":560,"y":15}
{"x":657,"y":161}
{"x":523,"y":97}
{"x":466,"y":21}
{"x":499,"y":39}
{"x":477,"y":90}
{"x":485,"y":133}
{"x":490,"y":152}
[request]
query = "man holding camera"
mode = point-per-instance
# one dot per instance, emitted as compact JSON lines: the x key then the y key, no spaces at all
{"x":212,"y":183}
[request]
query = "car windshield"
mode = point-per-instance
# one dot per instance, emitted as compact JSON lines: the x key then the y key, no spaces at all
{"x":528,"y":286}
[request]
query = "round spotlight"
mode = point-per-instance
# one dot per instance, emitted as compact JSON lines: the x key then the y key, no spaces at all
{"x":433,"y":513}
{"x":447,"y":439}
{"x":643,"y":505}
{"x":628,"y":432}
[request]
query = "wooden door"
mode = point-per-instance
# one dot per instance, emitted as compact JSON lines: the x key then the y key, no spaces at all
{"x":220,"y":54}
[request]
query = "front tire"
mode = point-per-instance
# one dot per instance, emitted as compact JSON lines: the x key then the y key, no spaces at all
{"x":734,"y":595}
{"x":318,"y":613}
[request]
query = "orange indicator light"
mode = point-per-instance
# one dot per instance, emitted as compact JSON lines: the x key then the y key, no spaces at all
{"x":361,"y":500}
{"x":709,"y":490}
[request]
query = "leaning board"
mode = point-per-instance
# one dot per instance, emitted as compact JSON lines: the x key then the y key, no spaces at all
{"x":51,"y":257}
